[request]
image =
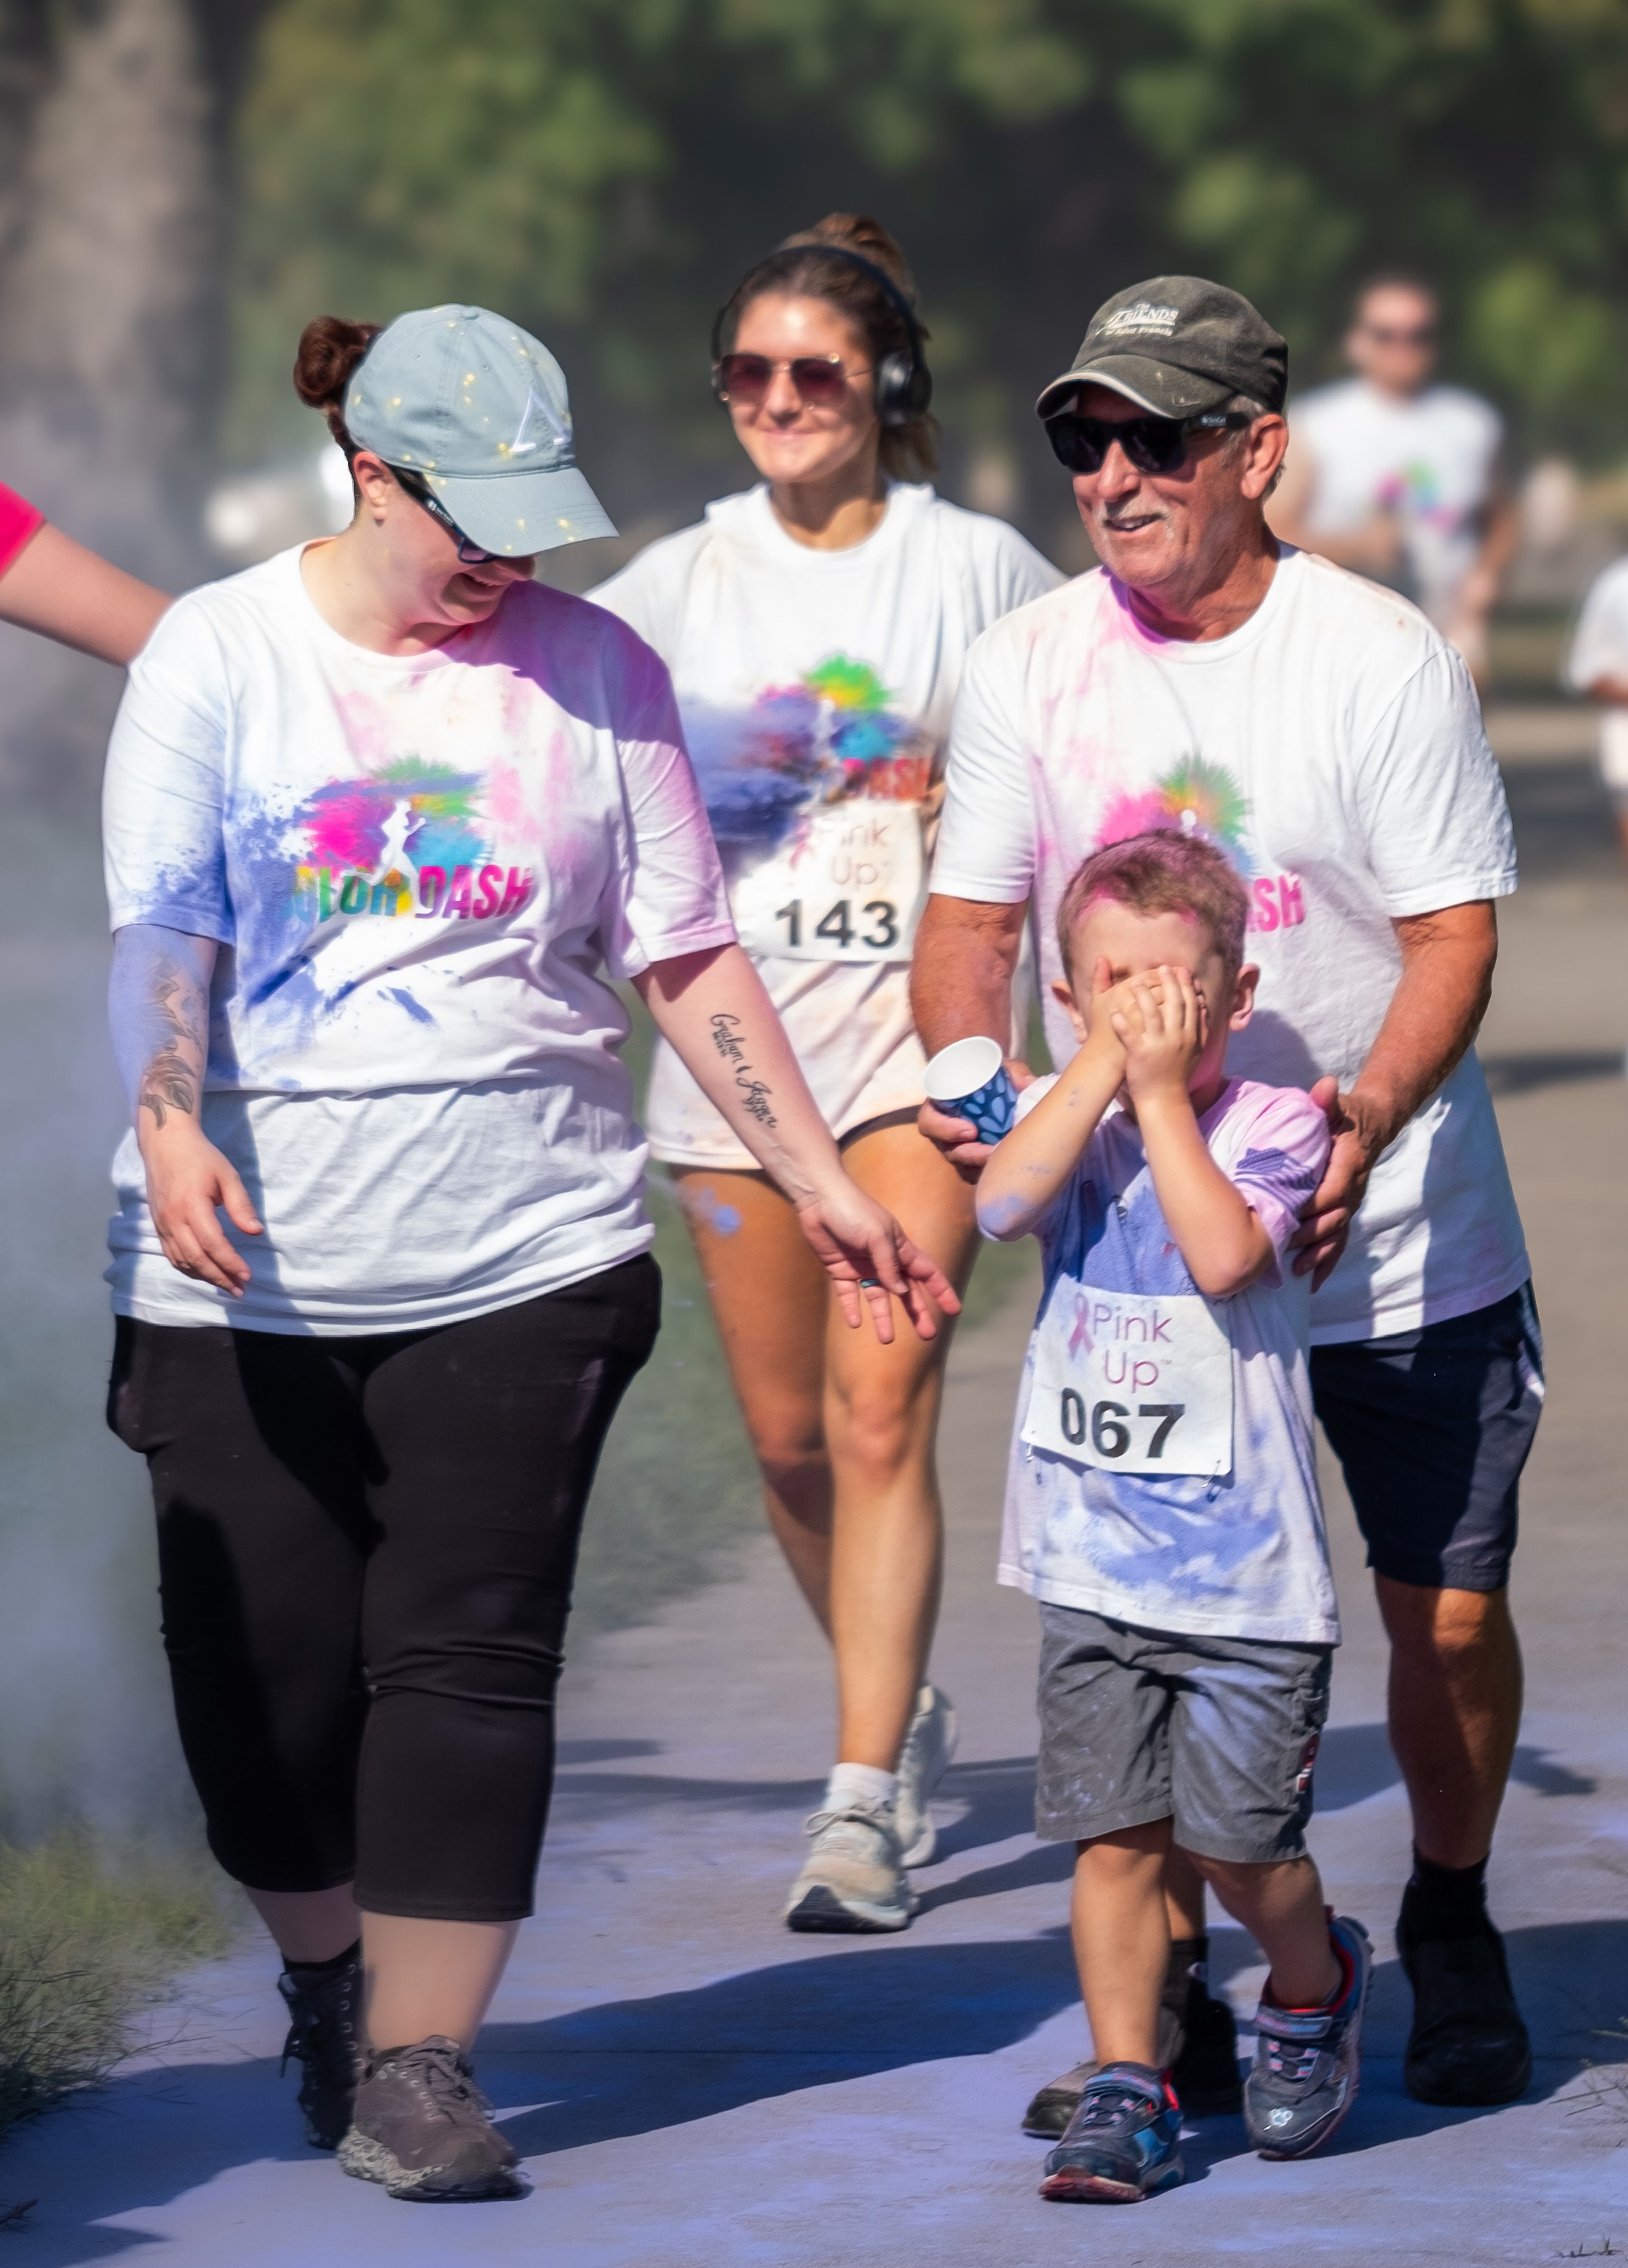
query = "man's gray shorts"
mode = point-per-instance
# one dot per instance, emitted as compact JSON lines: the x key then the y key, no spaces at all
{"x":1219,"y":1735}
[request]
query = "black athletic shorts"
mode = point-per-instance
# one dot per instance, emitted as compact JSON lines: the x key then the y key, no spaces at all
{"x":1432,"y":1428}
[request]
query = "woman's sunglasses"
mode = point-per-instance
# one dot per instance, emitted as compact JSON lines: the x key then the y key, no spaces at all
{"x":1154,"y":445}
{"x":821,"y":380}
{"x":469,"y":555}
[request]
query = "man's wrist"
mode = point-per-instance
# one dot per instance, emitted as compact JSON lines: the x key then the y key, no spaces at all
{"x":1376,"y":1120}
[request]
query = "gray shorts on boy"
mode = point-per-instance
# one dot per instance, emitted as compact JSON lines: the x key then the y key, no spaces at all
{"x":1219,"y":1735}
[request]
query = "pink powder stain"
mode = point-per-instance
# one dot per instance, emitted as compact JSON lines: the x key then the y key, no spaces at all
{"x":343,"y":829}
{"x":367,"y":727}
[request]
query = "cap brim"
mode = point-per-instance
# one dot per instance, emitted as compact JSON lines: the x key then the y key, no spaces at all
{"x":515,"y":515}
{"x":1159,"y":387}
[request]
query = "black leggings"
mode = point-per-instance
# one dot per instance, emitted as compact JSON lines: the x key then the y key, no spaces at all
{"x":365,"y":1549}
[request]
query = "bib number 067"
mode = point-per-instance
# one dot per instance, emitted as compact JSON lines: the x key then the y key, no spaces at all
{"x":838,"y":927}
{"x":1110,"y":1436}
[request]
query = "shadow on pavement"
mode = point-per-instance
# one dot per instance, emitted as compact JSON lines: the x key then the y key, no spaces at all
{"x":1353,"y":1763}
{"x":1523,"y":1074}
{"x":633,"y":2067}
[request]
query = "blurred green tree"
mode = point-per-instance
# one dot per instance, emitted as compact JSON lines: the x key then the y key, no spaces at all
{"x":604,"y":168}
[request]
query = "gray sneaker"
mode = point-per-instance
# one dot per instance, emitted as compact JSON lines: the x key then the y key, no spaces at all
{"x":853,"y":1878}
{"x":926,"y":1757}
{"x":423,"y":2128}
{"x":1306,"y":2061}
{"x":325,"y":2039}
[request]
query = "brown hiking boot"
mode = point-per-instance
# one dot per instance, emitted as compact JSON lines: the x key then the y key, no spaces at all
{"x":423,"y":2128}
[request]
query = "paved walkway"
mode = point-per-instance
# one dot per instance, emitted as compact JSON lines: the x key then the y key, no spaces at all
{"x":692,"y":2085}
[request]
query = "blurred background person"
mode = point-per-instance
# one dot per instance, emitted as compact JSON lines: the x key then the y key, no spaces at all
{"x":1398,"y":477}
{"x":1597,"y":664}
{"x":815,"y":628}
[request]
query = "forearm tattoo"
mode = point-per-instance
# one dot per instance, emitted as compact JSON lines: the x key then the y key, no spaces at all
{"x":753,"y":1092}
{"x":179,"y":1008}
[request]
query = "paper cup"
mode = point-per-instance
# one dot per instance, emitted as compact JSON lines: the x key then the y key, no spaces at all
{"x":970,"y":1079}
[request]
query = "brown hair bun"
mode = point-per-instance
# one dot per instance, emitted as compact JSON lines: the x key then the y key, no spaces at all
{"x":330,"y":348}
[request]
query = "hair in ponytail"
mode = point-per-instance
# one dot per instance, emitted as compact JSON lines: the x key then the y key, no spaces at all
{"x":329,"y":352}
{"x":908,"y":452}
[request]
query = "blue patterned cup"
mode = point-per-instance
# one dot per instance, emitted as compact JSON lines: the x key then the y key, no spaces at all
{"x":970,"y":1079}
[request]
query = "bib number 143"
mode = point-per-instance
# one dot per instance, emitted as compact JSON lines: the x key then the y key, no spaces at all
{"x":1130,"y":1383}
{"x":839,"y":926}
{"x":849,"y":885}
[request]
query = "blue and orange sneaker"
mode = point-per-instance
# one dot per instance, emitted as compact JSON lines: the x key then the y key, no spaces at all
{"x":1120,"y":2144}
{"x":1307,"y":2059}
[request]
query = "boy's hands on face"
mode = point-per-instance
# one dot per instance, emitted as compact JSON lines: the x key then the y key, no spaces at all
{"x":1161,"y":1023}
{"x":1107,"y":997}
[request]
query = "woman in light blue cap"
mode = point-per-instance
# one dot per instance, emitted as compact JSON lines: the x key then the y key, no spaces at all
{"x":382,"y":816}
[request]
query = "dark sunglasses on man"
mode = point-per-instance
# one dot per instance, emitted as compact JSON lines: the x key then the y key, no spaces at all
{"x":1153,"y":444}
{"x":821,"y":380}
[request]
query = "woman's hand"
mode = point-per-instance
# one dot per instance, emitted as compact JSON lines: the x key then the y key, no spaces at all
{"x":1160,"y":1025}
{"x":863,"y":1249}
{"x":187,"y":1179}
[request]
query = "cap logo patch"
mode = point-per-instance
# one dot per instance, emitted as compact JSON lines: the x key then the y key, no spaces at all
{"x":1140,"y":315}
{"x":526,"y":443}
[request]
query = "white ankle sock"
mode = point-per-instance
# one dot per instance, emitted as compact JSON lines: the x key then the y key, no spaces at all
{"x":859,"y":1783}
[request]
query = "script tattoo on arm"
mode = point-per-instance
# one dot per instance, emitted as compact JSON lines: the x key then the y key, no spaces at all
{"x":754,"y":1093}
{"x":179,"y":1009}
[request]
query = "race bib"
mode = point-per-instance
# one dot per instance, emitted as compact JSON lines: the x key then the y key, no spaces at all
{"x":849,"y":887}
{"x":1132,"y":1384}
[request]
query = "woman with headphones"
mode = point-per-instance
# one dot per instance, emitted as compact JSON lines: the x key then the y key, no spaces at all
{"x":815,"y":628}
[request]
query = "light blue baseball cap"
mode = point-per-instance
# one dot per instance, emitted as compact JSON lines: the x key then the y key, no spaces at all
{"x":478,"y":409}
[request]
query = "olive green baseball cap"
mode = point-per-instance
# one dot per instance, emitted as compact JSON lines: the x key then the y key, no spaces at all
{"x":1176,"y":345}
{"x":478,"y":409}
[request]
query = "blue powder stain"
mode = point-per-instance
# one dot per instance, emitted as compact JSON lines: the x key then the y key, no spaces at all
{"x":414,"y":1008}
{"x":725,"y":1219}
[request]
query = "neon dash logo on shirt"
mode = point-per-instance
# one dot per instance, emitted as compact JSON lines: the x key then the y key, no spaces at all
{"x":407,"y":840}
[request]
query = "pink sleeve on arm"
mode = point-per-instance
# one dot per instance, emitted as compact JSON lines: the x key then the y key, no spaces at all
{"x":18,"y":521}
{"x":1278,"y":1146}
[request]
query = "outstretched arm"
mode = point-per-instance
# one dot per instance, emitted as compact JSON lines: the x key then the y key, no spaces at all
{"x":158,"y":1012}
{"x":57,"y":587}
{"x":713,"y":1008}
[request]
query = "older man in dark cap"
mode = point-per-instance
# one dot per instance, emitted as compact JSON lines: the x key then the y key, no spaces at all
{"x":1316,"y":728}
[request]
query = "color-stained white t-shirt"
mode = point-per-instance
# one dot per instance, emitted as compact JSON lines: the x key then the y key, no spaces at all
{"x":1235,"y":1552}
{"x":1599,"y":649}
{"x":417,"y":869}
{"x":816,"y":688}
{"x":1332,"y":746}
{"x":1429,"y":460}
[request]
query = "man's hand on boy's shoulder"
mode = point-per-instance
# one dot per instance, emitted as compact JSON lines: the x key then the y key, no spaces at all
{"x":1326,"y":1218}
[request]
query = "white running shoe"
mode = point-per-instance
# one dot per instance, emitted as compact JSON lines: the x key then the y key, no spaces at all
{"x":854,"y":1879}
{"x":926,"y":1757}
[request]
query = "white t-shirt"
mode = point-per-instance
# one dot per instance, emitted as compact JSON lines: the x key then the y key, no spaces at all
{"x":816,"y":688}
{"x":1332,"y":746}
{"x":1429,"y":460}
{"x":1239,"y":1551}
{"x":1600,"y":649}
{"x":416,"y":868}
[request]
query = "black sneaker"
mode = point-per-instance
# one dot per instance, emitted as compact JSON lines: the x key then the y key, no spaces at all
{"x":1204,"y":2073}
{"x":1468,"y":2046}
{"x":1197,"y":2044}
{"x":1307,"y":2061}
{"x":325,"y":2039}
{"x":1121,"y":2143}
{"x":423,"y":2128}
